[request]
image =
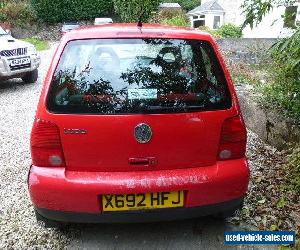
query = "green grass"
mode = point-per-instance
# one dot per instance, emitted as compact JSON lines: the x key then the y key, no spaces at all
{"x":38,"y":43}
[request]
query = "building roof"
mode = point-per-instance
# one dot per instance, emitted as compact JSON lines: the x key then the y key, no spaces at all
{"x":169,"y":5}
{"x":207,"y":6}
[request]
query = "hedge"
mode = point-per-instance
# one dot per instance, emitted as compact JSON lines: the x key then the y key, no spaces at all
{"x":52,"y":11}
{"x":229,"y":31}
{"x":171,"y":17}
{"x":132,"y":10}
{"x":17,"y":14}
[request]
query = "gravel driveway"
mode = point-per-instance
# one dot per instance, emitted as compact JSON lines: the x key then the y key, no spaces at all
{"x":18,"y":228}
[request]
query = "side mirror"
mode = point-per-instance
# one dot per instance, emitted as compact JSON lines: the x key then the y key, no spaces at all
{"x":8,"y":31}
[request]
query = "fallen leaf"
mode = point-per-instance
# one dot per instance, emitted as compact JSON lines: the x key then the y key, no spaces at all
{"x":281,"y":203}
{"x":262,"y":201}
{"x":257,"y":218}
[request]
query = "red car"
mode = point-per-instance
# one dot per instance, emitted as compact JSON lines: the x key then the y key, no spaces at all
{"x":137,"y":124}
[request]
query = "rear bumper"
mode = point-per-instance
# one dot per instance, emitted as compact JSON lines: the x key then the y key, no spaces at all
{"x":60,"y":190}
{"x":141,"y":215}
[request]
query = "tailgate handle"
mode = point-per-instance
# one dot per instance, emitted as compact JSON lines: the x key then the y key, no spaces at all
{"x":149,"y":161}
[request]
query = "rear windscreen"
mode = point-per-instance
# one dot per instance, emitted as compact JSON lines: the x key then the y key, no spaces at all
{"x":128,"y":76}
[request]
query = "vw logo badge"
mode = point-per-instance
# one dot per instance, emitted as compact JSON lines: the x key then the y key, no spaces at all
{"x":143,"y":133}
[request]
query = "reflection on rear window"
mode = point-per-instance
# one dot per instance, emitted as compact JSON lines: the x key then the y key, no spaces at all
{"x":126,"y":76}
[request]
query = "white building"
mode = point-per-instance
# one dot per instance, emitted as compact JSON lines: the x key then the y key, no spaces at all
{"x":173,"y":6}
{"x":215,"y":13}
{"x":209,"y":13}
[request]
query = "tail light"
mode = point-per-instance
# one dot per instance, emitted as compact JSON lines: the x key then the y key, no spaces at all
{"x":233,"y":139}
{"x":46,"y":149}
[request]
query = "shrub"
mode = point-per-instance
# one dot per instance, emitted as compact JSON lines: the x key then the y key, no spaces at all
{"x":284,"y":91}
{"x":176,"y":21}
{"x":287,"y":53}
{"x":229,"y":31}
{"x":53,"y":11}
{"x":166,"y":14}
{"x":172,"y":17}
{"x":131,"y":10}
{"x":225,"y":31}
{"x":210,"y":31}
{"x":205,"y":29}
{"x":17,"y":13}
{"x":2,"y":4}
{"x":293,"y":171}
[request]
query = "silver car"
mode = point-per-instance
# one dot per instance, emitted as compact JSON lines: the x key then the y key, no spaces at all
{"x":18,"y":59}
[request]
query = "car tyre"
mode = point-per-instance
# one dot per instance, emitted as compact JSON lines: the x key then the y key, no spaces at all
{"x":31,"y":77}
{"x":49,"y":223}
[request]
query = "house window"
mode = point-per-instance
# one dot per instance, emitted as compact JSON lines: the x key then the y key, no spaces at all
{"x":217,"y":22}
{"x":199,"y":21}
{"x":199,"y":17}
{"x":290,"y":16}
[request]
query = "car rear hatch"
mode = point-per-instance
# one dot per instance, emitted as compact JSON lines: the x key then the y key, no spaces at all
{"x":139,"y":104}
{"x":109,"y":144}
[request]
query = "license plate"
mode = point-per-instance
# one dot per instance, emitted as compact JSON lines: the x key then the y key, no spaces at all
{"x":19,"y":61}
{"x":125,"y":202}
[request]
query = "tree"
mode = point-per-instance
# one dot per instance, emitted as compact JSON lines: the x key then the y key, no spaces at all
{"x":285,"y":68}
{"x":288,"y":49}
{"x":255,"y":10}
{"x":133,"y":10}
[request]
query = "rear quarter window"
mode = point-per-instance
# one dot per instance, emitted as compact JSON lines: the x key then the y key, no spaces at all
{"x":129,"y":76}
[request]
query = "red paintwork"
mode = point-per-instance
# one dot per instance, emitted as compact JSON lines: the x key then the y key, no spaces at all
{"x":58,"y":189}
{"x":185,"y":145}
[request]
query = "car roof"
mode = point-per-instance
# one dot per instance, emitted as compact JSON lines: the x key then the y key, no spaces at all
{"x":117,"y":30}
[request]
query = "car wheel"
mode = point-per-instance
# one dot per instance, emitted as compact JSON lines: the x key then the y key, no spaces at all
{"x":31,"y":77}
{"x":49,"y":223}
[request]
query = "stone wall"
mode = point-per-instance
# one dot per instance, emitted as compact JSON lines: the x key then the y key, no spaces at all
{"x":271,"y":126}
{"x":246,"y":50}
{"x":42,"y":31}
